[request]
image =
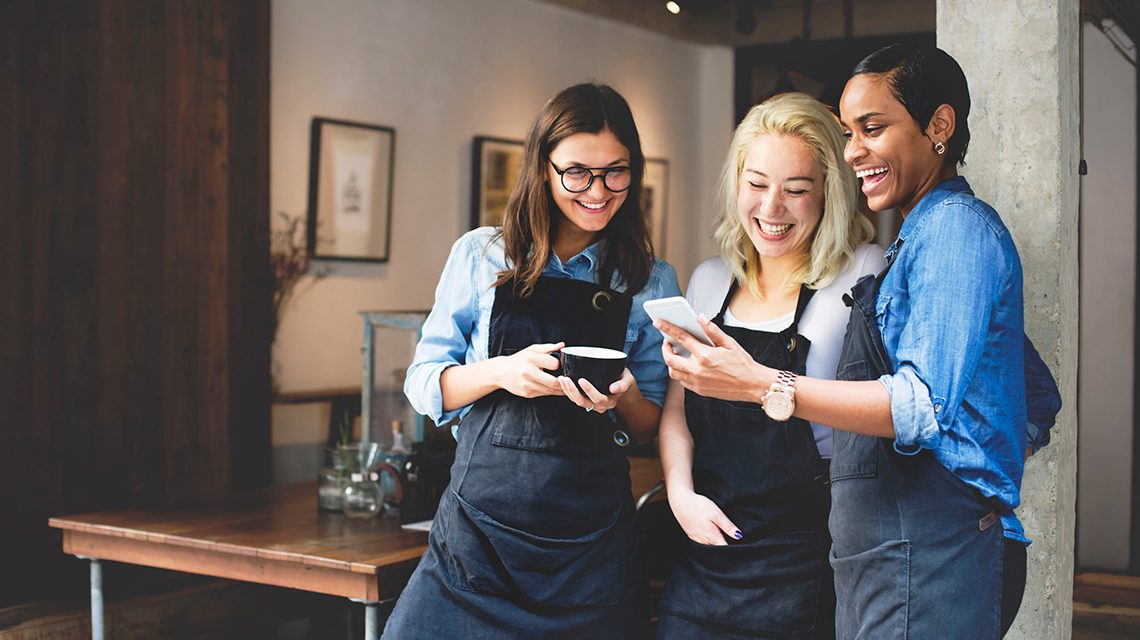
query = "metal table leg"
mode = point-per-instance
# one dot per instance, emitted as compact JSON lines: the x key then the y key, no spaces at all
{"x":96,"y":597}
{"x":371,"y":619}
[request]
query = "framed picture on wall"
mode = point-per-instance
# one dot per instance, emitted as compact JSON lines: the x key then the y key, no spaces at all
{"x":655,"y":201}
{"x":350,"y":190}
{"x":495,"y":164}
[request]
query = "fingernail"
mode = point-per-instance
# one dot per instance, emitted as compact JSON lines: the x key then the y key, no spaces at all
{"x":738,"y":535}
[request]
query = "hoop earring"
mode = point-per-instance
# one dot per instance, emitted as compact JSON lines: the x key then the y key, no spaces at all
{"x":939,"y":148}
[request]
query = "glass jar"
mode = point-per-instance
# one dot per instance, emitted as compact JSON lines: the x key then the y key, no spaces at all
{"x":362,"y":496}
{"x":330,"y":488}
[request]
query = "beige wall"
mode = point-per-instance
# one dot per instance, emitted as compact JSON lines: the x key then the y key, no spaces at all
{"x":441,"y":72}
{"x":1108,"y":301}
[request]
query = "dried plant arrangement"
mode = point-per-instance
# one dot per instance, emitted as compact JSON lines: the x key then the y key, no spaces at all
{"x":290,"y":261}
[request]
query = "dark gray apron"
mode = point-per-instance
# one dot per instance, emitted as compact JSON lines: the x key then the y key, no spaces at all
{"x":917,"y":553}
{"x":534,"y":537}
{"x":770,"y":480}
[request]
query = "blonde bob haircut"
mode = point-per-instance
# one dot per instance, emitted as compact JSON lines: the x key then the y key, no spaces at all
{"x":842,"y":227}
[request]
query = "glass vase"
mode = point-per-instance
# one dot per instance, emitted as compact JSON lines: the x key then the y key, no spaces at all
{"x":362,"y":497}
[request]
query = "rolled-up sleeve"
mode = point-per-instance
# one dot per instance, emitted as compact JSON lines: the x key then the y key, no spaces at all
{"x":911,"y":411}
{"x":645,"y":361}
{"x":446,"y":335}
{"x":1042,"y":398}
{"x":953,"y":281}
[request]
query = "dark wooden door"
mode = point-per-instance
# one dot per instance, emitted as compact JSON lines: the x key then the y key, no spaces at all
{"x":135,"y":296}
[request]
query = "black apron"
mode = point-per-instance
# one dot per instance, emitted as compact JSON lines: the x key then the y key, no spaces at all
{"x":770,"y":480}
{"x":534,"y":537}
{"x":917,"y":553}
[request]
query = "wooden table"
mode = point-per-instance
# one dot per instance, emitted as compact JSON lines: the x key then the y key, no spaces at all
{"x":275,"y":537}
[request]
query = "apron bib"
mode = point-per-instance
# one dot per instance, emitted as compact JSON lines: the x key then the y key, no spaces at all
{"x":769,"y":479}
{"x":917,"y":553}
{"x":534,"y":536}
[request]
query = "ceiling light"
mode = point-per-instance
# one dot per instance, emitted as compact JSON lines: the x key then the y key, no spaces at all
{"x":673,"y":7}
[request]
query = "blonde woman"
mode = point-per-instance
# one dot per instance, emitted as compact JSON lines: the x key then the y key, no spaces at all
{"x":750,"y":492}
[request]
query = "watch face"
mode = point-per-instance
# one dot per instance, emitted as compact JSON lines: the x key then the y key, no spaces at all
{"x":779,"y":405}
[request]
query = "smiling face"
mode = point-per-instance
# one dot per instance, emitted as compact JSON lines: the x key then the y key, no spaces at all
{"x":591,"y":210}
{"x":780,"y":198}
{"x":895,"y":162}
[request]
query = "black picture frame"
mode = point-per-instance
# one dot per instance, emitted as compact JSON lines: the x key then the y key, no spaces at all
{"x":495,"y":164}
{"x":655,"y":202}
{"x":351,"y":169}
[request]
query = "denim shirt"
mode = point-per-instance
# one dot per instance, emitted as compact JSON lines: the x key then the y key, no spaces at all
{"x":950,"y":311}
{"x":456,"y":331}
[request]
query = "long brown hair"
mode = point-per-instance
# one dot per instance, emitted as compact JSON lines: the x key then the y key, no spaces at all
{"x":530,"y":222}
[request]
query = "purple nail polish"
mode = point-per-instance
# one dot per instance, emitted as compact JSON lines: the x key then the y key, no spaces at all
{"x":738,"y":535}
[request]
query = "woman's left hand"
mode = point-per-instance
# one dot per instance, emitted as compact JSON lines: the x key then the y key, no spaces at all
{"x":595,"y":400}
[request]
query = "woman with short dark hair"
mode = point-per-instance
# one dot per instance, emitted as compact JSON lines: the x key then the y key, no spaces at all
{"x":930,"y":404}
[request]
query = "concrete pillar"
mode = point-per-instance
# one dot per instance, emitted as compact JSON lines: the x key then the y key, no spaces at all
{"x":1022,"y":63}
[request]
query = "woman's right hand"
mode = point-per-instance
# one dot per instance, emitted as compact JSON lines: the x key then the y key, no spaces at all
{"x":525,"y":373}
{"x":702,"y":520}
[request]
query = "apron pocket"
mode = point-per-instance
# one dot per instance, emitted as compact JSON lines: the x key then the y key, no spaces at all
{"x":549,"y":423}
{"x":485,"y":556}
{"x":853,"y":456}
{"x":873,"y":592}
{"x":769,"y":586}
{"x":857,"y":370}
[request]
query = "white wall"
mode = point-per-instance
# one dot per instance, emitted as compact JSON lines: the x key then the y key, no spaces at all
{"x":441,"y":72}
{"x":1108,"y":298}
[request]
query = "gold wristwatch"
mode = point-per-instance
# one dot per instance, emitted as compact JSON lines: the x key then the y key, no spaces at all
{"x":779,"y":401}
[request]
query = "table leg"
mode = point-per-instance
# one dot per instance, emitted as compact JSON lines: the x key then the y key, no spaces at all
{"x":371,"y":619}
{"x":96,"y":597}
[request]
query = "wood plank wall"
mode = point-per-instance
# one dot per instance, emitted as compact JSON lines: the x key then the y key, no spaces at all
{"x":134,"y":286}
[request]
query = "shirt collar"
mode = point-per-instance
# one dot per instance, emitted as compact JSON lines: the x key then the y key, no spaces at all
{"x":591,"y":254}
{"x":940,"y":192}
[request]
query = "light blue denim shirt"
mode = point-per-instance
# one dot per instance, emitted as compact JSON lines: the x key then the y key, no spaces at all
{"x":950,"y":311}
{"x":456,"y":330}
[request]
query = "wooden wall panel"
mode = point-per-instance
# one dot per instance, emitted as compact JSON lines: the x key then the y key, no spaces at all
{"x":132,"y":116}
{"x":251,"y":461}
{"x":134,"y":283}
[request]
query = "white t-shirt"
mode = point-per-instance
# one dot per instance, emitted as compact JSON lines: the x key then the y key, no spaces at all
{"x":824,"y":321}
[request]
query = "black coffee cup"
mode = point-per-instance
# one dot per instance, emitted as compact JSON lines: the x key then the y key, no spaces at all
{"x":602,"y":367}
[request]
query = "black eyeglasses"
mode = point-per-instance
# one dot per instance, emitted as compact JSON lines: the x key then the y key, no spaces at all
{"x":579,"y":179}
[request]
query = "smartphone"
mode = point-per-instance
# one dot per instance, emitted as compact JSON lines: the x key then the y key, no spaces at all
{"x":677,"y":311}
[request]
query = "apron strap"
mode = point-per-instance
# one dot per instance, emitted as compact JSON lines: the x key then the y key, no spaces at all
{"x":891,"y":254}
{"x":801,"y":303}
{"x":719,"y":319}
{"x":806,"y":293}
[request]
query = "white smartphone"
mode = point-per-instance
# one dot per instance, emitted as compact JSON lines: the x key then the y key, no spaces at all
{"x":677,"y":311}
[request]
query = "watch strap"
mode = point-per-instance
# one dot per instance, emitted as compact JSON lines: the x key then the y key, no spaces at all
{"x":787,"y":379}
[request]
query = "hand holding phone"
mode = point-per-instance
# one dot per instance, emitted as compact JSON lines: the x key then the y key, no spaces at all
{"x":676,"y":311}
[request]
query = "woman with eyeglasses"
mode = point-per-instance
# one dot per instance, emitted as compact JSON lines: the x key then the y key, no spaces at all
{"x":750,"y":492}
{"x":939,"y":397}
{"x":534,"y":536}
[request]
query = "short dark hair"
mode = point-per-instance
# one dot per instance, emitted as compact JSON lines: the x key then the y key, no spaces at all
{"x":923,"y":78}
